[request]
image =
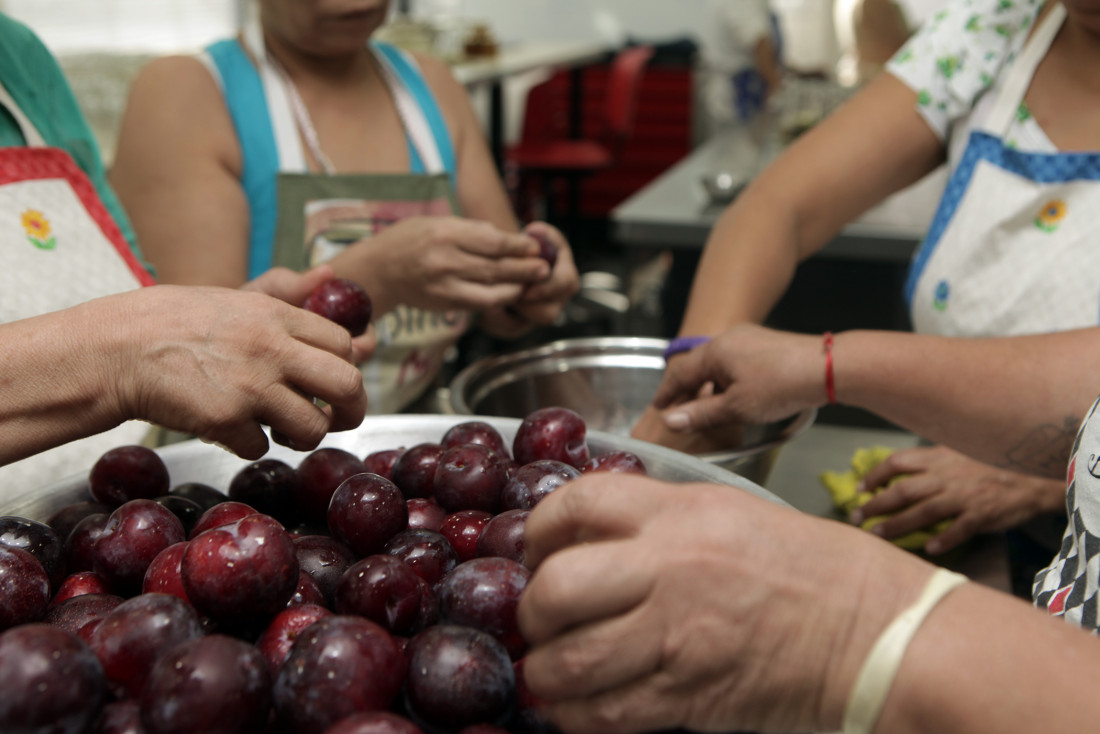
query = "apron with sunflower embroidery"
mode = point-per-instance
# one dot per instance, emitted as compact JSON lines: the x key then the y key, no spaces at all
{"x":59,"y":247}
{"x":1013,"y":246}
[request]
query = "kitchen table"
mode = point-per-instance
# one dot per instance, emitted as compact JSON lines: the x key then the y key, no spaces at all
{"x":515,"y":59}
{"x":822,"y":447}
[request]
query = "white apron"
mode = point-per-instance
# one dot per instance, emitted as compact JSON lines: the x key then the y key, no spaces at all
{"x":1013,"y":247}
{"x":59,"y":247}
{"x":321,"y":214}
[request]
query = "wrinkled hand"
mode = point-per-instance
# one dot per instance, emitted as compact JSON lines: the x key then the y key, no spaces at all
{"x":657,"y":606}
{"x":759,"y":375}
{"x":940,"y":484}
{"x":294,"y":287}
{"x":220,"y":363}
{"x":441,"y":263}
{"x":540,"y":303}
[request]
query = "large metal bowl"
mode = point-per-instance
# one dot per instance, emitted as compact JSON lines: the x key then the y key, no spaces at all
{"x":195,"y":461}
{"x":609,"y":381}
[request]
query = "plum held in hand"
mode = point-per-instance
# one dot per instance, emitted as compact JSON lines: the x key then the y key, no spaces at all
{"x":128,"y":473}
{"x":341,"y":665}
{"x":214,"y":685}
{"x":343,"y":301}
{"x":552,"y":433}
{"x":50,"y":681}
{"x":458,"y":676}
{"x":548,"y":251}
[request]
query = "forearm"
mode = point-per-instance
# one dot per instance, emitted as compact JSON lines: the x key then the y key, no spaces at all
{"x":44,"y":400}
{"x":747,"y":264}
{"x":873,"y":145}
{"x":1012,"y":402}
{"x":986,"y":662}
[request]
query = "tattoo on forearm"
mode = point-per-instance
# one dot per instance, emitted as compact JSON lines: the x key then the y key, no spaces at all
{"x":1045,"y":450}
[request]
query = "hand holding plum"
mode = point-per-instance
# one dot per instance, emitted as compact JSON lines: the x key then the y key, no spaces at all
{"x":656,"y":606}
{"x":220,"y":363}
{"x":540,"y":303}
{"x":758,"y":375}
{"x":441,"y":263}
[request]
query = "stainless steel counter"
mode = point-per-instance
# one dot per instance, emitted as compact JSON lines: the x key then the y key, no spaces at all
{"x":675,"y":210}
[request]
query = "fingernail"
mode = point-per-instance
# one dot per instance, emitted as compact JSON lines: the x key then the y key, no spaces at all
{"x":677,"y":421}
{"x":856,"y":517}
{"x":879,"y":530}
{"x":933,"y":547}
{"x":861,"y":486}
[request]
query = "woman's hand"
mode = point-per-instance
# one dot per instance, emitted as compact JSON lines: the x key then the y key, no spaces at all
{"x":758,"y":375}
{"x":539,"y":304}
{"x":293,"y":287}
{"x":657,"y":606}
{"x":441,"y":263}
{"x":221,"y":363}
{"x":937,"y":484}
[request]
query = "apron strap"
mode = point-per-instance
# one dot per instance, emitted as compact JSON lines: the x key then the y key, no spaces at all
{"x":292,"y":158}
{"x":412,"y":114}
{"x":290,"y":119}
{"x":1018,"y":78}
{"x":30,"y":132}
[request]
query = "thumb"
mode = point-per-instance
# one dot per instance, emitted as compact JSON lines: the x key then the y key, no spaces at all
{"x":698,"y":414}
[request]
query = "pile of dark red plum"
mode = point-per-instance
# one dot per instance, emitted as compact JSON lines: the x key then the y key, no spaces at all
{"x":346,"y":595}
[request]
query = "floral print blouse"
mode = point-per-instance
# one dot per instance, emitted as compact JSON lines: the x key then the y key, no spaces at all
{"x":957,"y":58}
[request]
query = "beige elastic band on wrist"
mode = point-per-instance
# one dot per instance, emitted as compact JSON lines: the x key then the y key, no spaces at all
{"x":881,"y":666}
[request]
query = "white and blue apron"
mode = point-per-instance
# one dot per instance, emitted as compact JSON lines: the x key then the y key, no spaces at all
{"x":300,"y":219}
{"x":1013,"y":247}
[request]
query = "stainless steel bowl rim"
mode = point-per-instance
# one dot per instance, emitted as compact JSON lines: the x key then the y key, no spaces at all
{"x":616,"y":350}
{"x":197,"y":461}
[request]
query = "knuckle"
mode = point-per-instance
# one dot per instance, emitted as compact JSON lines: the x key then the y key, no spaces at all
{"x":347,"y":383}
{"x":608,"y":714}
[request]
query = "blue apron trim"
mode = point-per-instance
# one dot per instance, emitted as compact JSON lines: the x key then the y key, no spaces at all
{"x":983,"y":146}
{"x":247,"y":103}
{"x":416,"y":84}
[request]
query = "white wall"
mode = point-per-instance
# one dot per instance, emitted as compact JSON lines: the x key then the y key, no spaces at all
{"x":807,"y":23}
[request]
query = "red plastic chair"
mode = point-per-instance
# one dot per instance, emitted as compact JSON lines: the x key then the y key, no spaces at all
{"x":538,"y":159}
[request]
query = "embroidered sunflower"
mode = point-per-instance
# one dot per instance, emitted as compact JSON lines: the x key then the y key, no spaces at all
{"x":1051,"y":215}
{"x":39,"y":232}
